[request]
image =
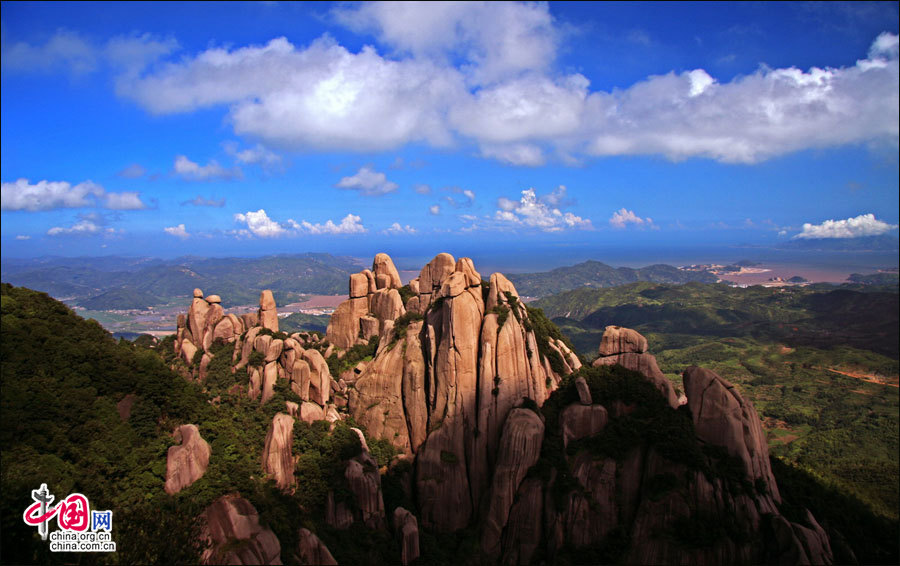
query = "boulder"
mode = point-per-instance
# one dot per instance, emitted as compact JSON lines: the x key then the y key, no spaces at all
{"x":359,"y":285}
{"x":277,"y":459}
{"x":274,"y":349}
{"x":465,"y":266}
{"x":187,"y":462}
{"x":319,"y":377}
{"x":124,"y":406}
{"x":343,"y":329}
{"x":365,"y":483}
{"x":256,"y":382}
{"x":231,"y":534}
{"x":225,"y":330}
{"x":407,"y":528}
{"x":386,"y":304}
{"x":198,"y":294}
{"x":368,"y":327}
{"x":300,"y":379}
{"x":383,"y":266}
{"x":269,"y":377}
{"x":268,"y":315}
{"x":619,"y":340}
{"x":634,"y":356}
{"x":250,"y":320}
{"x":196,"y":320}
{"x":312,"y":551}
{"x":188,"y":350}
{"x":213,"y":299}
{"x":432,"y":277}
{"x":584,"y":392}
{"x":310,"y":412}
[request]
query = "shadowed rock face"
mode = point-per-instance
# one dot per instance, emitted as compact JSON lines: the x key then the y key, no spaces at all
{"x":188,"y":462}
{"x":723,"y":418}
{"x":628,"y":349}
{"x":407,"y":528}
{"x":658,"y":507}
{"x":312,"y":551}
{"x":520,"y":447}
{"x":233,"y":534}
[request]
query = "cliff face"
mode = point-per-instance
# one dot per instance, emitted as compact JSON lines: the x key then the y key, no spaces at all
{"x":451,"y":364}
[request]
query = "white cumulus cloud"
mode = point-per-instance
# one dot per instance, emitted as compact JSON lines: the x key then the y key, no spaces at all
{"x":435,"y":209}
{"x":497,"y":39}
{"x":191,"y":171}
{"x":124,"y":201}
{"x":84,"y":227}
{"x":368,"y":182}
{"x":859,"y":226}
{"x":351,"y":224}
{"x":49,"y":195}
{"x":177,"y":231}
{"x":622,"y":217}
{"x":532,"y":212}
{"x":258,"y":155}
{"x":259,"y":224}
{"x":396,"y":228}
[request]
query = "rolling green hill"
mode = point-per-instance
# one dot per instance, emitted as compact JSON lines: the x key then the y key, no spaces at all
{"x":115,"y":283}
{"x":594,"y":274}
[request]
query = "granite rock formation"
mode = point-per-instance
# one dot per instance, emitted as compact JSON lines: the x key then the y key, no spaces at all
{"x":312,"y":551}
{"x":263,"y":353}
{"x":232,"y":534}
{"x":187,"y":462}
{"x":277,"y":458}
{"x":628,"y":348}
{"x":451,"y":364}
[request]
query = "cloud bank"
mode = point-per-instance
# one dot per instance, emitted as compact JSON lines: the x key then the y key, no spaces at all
{"x":484,"y":74}
{"x":857,"y":227}
{"x":260,"y":225}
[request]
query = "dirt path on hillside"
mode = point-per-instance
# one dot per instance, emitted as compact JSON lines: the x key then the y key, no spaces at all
{"x":869,"y":378}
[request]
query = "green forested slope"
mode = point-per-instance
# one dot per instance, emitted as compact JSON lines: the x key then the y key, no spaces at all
{"x":61,"y":379}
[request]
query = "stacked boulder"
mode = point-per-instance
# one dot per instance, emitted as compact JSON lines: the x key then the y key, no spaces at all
{"x":267,"y":354}
{"x":446,"y":375}
{"x":374,"y":299}
{"x":628,"y":348}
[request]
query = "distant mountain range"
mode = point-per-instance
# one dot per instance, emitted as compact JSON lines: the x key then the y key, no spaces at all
{"x":113,"y":283}
{"x":595,"y":274}
{"x":884,"y":242}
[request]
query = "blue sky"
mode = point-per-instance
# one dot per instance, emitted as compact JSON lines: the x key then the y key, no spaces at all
{"x":169,"y":129}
